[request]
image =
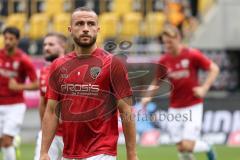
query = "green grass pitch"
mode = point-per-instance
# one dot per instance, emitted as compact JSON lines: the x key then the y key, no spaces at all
{"x":152,"y":153}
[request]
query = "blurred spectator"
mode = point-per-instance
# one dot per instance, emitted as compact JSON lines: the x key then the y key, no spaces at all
{"x":4,"y":8}
{"x":194,"y":7}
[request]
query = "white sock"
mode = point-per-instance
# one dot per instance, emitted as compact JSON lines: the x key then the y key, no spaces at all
{"x":9,"y":153}
{"x":186,"y":156}
{"x":181,"y":156}
{"x":191,"y":156}
{"x":201,"y":146}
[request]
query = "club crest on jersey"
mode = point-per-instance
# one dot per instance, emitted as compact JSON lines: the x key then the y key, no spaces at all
{"x":185,"y":63}
{"x":95,"y":71}
{"x":15,"y":65}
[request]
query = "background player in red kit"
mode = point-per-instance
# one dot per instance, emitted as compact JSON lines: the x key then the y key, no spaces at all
{"x":182,"y":65}
{"x":54,"y":46}
{"x":88,"y":85}
{"x":15,"y":67}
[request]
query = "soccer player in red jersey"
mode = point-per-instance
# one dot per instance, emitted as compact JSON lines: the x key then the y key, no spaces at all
{"x":186,"y":97}
{"x":15,"y":67}
{"x":86,"y":88}
{"x":54,"y":46}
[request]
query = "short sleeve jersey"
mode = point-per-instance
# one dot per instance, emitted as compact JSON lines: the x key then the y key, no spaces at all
{"x":182,"y":71}
{"x":19,"y":67}
{"x":44,"y":75}
{"x":87,"y":90}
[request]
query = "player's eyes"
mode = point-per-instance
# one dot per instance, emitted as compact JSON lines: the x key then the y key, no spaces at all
{"x":91,"y":23}
{"x":80,"y":23}
{"x":48,"y":44}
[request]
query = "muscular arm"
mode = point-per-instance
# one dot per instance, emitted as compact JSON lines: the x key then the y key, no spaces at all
{"x":212,"y":75}
{"x":49,"y":126}
{"x":151,"y":91}
{"x":202,"y":90}
{"x":14,"y":85}
{"x":128,"y":123}
{"x":42,"y":108}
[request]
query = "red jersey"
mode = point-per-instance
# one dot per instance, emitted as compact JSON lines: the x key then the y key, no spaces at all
{"x":183,"y":74}
{"x":19,"y":67}
{"x":87,"y":89}
{"x":44,"y":80}
{"x":44,"y":73}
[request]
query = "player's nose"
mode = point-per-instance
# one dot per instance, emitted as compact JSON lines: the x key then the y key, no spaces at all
{"x":7,"y":41}
{"x":85,"y":28}
{"x":46,"y":49}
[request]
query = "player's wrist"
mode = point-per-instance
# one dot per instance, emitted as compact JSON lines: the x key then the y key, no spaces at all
{"x":132,"y":155}
{"x":131,"y":152}
{"x":43,"y":151}
{"x":44,"y":156}
{"x":145,"y":100}
{"x":20,"y":87}
{"x":206,"y":87}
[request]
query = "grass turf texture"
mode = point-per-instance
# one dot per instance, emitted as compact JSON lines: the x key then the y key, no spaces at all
{"x":151,"y":153}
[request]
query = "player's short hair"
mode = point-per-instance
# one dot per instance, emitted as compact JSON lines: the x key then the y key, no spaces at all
{"x":171,"y":31}
{"x":84,"y":8}
{"x":12,"y":30}
{"x":60,"y":37}
{"x":63,"y":40}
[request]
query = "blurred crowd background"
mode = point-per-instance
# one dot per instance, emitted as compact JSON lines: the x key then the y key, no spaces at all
{"x":140,"y":21}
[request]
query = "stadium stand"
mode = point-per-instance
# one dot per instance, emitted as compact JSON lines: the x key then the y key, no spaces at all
{"x":139,"y":19}
{"x":131,"y":24}
{"x":54,"y":7}
{"x":1,"y":41}
{"x":121,"y":8}
{"x":18,"y":20}
{"x":60,"y":23}
{"x":109,"y":26}
{"x":154,"y":23}
{"x":204,"y":5}
{"x":38,"y":25}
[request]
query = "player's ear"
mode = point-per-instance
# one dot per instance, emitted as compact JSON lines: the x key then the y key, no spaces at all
{"x":70,"y":29}
{"x":98,"y":29}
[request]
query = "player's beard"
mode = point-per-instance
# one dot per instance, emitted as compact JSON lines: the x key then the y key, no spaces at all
{"x":51,"y":57}
{"x":9,"y":48}
{"x":85,"y":45}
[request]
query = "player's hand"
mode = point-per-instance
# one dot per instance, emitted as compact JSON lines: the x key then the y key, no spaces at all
{"x":13,"y":85}
{"x":44,"y":157}
{"x":133,"y":158}
{"x":200,"y":91}
{"x":144,"y":102}
{"x":132,"y":155}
